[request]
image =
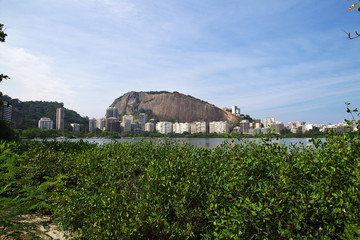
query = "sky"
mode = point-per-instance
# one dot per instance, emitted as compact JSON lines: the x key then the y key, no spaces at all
{"x":290,"y":60}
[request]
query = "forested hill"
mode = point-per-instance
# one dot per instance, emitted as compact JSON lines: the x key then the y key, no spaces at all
{"x":32,"y":111}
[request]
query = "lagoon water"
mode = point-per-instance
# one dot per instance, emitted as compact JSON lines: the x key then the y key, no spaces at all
{"x":197,"y":142}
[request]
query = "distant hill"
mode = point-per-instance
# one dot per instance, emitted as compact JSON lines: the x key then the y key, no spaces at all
{"x":173,"y":106}
{"x":30,"y":113}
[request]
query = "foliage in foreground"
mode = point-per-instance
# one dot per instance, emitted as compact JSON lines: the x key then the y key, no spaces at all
{"x":166,"y":190}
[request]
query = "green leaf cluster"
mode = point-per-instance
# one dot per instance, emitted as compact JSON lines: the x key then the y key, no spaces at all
{"x":167,"y":190}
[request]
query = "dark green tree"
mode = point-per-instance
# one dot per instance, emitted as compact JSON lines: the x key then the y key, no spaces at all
{"x":2,"y":39}
{"x":6,"y":132}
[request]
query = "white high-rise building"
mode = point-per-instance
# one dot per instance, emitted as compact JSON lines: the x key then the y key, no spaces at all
{"x":244,"y":126}
{"x":112,"y":112}
{"x":181,"y":127}
{"x":60,"y":118}
{"x":219,"y":127}
{"x":92,"y":124}
{"x":45,"y":123}
{"x":142,"y":121}
{"x":128,"y":118}
{"x":75,"y":127}
{"x":277,"y":126}
{"x":6,"y":112}
{"x":101,"y":123}
{"x":149,"y":127}
{"x":267,"y":121}
{"x":164,"y":127}
{"x":235,"y":110}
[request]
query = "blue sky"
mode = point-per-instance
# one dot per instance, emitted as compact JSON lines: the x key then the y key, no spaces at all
{"x":290,"y":60}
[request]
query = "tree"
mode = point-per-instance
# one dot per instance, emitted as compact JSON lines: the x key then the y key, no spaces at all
{"x":6,"y":132}
{"x":349,"y":9}
{"x":2,"y":39}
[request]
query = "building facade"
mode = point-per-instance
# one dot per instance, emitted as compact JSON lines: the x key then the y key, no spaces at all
{"x":45,"y":123}
{"x":6,"y":112}
{"x":60,"y":112}
{"x":92,"y":124}
{"x":75,"y":127}
{"x":164,"y":127}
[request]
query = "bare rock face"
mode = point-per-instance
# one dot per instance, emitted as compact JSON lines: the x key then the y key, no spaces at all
{"x":172,"y":106}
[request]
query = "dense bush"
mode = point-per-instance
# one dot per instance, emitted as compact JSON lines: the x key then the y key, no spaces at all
{"x":166,"y":190}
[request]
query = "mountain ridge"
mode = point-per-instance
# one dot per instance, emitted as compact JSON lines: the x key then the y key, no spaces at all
{"x":171,"y":106}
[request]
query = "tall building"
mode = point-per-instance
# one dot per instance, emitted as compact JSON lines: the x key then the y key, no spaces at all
{"x":126,"y":126}
{"x":181,"y":127}
{"x":113,"y":124}
{"x":6,"y":112}
{"x":267,"y":121}
{"x":222,"y":127}
{"x":193,"y":127}
{"x":112,"y":112}
{"x":92,"y":124}
{"x":244,"y":126}
{"x":277,"y":126}
{"x":75,"y":127}
{"x":235,"y":110}
{"x":142,"y":121}
{"x":60,"y":112}
{"x":212,"y":127}
{"x":45,"y":123}
{"x":219,"y":127}
{"x":149,"y":127}
{"x":128,"y":118}
{"x":164,"y":127}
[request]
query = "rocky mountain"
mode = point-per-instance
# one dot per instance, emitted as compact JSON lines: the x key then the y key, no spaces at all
{"x":173,"y":106}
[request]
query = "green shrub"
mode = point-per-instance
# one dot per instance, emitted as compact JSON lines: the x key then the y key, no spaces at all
{"x":167,"y":190}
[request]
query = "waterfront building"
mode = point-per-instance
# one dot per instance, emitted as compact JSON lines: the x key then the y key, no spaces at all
{"x":6,"y":112}
{"x":45,"y":123}
{"x":265,"y":131}
{"x":128,"y":118}
{"x":113,"y":124}
{"x":277,"y":126}
{"x":300,"y":123}
{"x":181,"y":127}
{"x":92,"y":124}
{"x":125,"y":127}
{"x":202,"y":127}
{"x":75,"y":127}
{"x":222,"y":127}
{"x":164,"y":127}
{"x":235,"y":110}
{"x":142,"y":120}
{"x":219,"y":127}
{"x":193,"y":127}
{"x":101,"y":123}
{"x":60,"y":112}
{"x":212,"y":127}
{"x":149,"y":127}
{"x":255,"y":131}
{"x":112,"y":112}
{"x":244,"y":126}
{"x":267,"y":121}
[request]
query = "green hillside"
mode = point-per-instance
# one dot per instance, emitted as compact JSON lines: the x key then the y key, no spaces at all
{"x":32,"y":111}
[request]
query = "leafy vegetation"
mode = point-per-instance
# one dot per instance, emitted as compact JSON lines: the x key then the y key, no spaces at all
{"x":32,"y":111}
{"x":167,"y":190}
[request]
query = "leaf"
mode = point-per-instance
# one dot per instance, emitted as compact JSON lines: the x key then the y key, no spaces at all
{"x":352,"y":6}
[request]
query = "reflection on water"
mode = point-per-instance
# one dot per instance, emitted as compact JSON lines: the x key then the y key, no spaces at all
{"x":197,"y":142}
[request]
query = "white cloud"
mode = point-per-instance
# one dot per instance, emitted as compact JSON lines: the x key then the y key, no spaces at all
{"x":32,"y":77}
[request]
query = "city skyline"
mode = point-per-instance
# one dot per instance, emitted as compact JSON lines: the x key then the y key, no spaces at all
{"x":287,"y":60}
